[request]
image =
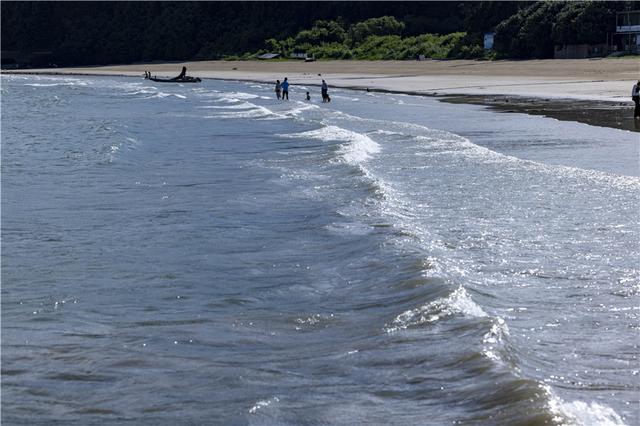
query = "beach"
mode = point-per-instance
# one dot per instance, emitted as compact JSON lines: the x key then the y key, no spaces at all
{"x":593,"y":91}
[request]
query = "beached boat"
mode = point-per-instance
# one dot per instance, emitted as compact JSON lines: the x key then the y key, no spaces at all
{"x":174,"y":80}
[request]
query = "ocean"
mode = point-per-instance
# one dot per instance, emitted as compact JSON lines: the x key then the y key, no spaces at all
{"x":207,"y":254}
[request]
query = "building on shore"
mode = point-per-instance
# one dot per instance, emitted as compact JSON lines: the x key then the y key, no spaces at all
{"x":627,"y":35}
{"x":625,"y":39}
{"x":580,"y":51}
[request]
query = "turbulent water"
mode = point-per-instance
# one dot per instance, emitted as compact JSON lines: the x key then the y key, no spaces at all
{"x":205,"y":254}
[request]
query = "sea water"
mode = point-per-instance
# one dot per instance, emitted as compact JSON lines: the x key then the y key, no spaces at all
{"x":206,"y":254}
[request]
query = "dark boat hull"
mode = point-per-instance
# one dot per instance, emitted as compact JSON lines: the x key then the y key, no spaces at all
{"x":171,"y":80}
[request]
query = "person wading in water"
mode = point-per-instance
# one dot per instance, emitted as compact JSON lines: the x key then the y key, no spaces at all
{"x":278,"y":89}
{"x":285,"y":89}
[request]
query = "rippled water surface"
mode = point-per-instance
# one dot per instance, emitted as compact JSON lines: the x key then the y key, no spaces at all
{"x":198,"y":254}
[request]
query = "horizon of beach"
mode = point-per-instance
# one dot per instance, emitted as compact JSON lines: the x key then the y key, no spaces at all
{"x":592,"y":91}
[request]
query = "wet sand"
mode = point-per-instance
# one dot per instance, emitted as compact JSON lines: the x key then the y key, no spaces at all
{"x":593,"y":91}
{"x":618,"y":115}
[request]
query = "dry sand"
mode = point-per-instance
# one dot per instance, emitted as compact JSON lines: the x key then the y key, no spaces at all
{"x":598,"y":79}
{"x":603,"y":86}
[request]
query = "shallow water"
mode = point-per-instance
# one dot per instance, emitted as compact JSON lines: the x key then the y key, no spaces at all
{"x":189,"y":254}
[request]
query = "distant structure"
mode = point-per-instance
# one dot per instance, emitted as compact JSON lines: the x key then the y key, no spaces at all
{"x":488,"y":40}
{"x":580,"y":51}
{"x":268,"y":56}
{"x":625,"y":39}
{"x":627,"y":35}
{"x":302,"y":55}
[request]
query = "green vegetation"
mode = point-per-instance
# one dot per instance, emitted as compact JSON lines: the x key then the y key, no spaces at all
{"x":522,"y":30}
{"x":92,"y":33}
{"x":373,"y":39}
{"x":533,"y":31}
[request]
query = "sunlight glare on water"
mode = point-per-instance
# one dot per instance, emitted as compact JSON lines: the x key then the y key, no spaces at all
{"x":197,"y":252}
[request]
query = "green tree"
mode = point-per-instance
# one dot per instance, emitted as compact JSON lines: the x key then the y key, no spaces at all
{"x":528,"y":34}
{"x":584,"y":23}
{"x":385,"y":25}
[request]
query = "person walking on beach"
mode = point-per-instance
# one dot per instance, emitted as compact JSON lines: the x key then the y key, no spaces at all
{"x":278,"y":89}
{"x":325,"y":91}
{"x":635,"y":95}
{"x":285,"y":89}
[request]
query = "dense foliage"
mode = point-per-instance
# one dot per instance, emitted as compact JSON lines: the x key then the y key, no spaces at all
{"x":83,"y":33}
{"x":373,"y":39}
{"x":533,"y":31}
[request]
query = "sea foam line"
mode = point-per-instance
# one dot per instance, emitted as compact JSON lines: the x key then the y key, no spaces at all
{"x":358,"y":149}
{"x":465,"y":147}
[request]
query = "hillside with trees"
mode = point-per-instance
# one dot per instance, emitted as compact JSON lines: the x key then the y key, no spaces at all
{"x":94,"y":33}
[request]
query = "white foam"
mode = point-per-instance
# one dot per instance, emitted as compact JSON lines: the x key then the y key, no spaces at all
{"x":262,"y":404}
{"x":458,"y":302}
{"x":241,"y":105}
{"x":49,"y":84}
{"x":389,"y":132}
{"x":359,"y":147}
{"x":304,"y":107}
{"x":241,"y":95}
{"x":158,"y":95}
{"x":494,"y":338}
{"x":579,"y":413}
{"x":256,"y":112}
{"x":52,"y":81}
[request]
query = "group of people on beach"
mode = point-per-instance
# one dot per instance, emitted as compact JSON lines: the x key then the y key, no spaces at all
{"x":282,"y":91}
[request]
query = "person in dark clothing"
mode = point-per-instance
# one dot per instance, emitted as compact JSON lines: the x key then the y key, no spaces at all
{"x":285,"y":89}
{"x":307,"y":97}
{"x":324,"y":89}
{"x":635,"y":95}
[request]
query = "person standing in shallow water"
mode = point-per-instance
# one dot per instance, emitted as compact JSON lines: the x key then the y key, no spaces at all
{"x":635,"y":95}
{"x":278,"y":89}
{"x":324,"y":89}
{"x":285,"y":89}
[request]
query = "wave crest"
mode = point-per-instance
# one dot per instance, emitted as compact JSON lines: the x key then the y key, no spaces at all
{"x":458,"y":302}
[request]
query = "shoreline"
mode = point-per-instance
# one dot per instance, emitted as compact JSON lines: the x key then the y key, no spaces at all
{"x":568,"y":90}
{"x":615,"y":115}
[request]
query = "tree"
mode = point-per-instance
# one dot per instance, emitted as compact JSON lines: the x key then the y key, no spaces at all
{"x":385,"y":25}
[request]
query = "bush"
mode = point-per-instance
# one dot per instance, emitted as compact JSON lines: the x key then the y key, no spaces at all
{"x":330,"y":51}
{"x":376,"y":39}
{"x":379,"y":48}
{"x":383,"y":26}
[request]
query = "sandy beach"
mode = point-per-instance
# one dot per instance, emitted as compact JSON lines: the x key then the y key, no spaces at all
{"x":595,"y":91}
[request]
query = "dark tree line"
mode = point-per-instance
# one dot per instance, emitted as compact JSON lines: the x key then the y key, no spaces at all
{"x":80,"y":33}
{"x":89,"y":33}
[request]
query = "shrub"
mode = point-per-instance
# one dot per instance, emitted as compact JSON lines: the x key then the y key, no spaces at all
{"x":383,"y":26}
